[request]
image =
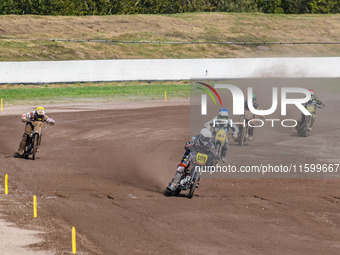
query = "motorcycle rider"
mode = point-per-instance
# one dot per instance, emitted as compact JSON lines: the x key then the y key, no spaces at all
{"x":316,"y":103}
{"x":198,"y":143}
{"x":246,"y":108}
{"x":222,"y":121}
{"x":37,"y":115}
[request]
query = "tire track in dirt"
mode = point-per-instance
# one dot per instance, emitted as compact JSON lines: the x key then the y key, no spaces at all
{"x":105,"y":172}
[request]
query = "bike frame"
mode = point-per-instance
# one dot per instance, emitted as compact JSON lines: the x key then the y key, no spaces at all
{"x":35,"y":134}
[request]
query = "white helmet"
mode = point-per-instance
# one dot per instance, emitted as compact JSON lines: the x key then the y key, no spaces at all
{"x":205,"y":136}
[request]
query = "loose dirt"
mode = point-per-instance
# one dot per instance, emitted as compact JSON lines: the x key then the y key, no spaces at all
{"x":105,"y":171}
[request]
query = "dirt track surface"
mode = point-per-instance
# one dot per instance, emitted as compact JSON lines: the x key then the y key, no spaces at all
{"x":104,"y":172}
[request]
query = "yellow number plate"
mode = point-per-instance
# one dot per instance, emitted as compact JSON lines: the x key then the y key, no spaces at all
{"x":221,"y":135}
{"x":310,"y":108}
{"x":201,"y":158}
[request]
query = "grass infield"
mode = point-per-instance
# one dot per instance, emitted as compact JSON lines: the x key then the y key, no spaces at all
{"x":106,"y":91}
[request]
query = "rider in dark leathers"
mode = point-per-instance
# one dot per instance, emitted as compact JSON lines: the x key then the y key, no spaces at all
{"x":246,"y":108}
{"x":199,"y":143}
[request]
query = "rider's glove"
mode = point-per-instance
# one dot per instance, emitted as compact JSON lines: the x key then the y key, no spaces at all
{"x":23,"y":118}
{"x":187,"y":146}
{"x":50,"y":121}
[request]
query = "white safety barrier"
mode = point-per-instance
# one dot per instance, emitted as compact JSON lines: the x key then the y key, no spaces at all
{"x":166,"y":69}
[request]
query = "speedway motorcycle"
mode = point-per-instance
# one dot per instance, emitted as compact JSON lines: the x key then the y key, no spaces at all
{"x":34,"y":140}
{"x":306,"y":120}
{"x":243,"y":130}
{"x":191,"y":175}
{"x":220,"y":138}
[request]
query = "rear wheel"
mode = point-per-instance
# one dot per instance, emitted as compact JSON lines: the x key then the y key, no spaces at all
{"x":35,"y":145}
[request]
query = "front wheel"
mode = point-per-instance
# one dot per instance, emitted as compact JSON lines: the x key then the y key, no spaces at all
{"x":305,"y":126}
{"x":218,"y":149}
{"x":193,"y":184}
{"x":35,"y":145}
{"x":242,"y":135}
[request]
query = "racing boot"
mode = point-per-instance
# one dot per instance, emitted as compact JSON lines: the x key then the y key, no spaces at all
{"x":22,"y":145}
{"x":172,"y":186}
{"x":175,"y":181}
{"x":20,"y":152}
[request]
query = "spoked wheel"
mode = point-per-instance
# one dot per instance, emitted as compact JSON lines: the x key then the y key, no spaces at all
{"x":35,"y":145}
{"x":218,"y":149}
{"x":305,"y":126}
{"x":242,"y":136}
{"x":193,"y":185}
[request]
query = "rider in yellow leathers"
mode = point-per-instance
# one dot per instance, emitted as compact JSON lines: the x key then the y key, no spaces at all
{"x":315,"y":102}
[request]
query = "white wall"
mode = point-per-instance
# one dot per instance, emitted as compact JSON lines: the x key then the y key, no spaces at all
{"x":166,"y":69}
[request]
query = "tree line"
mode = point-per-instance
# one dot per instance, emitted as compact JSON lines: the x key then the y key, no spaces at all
{"x":108,"y":7}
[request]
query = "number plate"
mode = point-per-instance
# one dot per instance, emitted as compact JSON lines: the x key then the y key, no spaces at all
{"x":201,"y":158}
{"x":221,"y":136}
{"x":310,"y":108}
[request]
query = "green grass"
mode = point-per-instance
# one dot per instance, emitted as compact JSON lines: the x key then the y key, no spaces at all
{"x":105,"y":91}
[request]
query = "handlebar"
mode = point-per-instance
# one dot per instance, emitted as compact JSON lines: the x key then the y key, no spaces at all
{"x":43,"y":121}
